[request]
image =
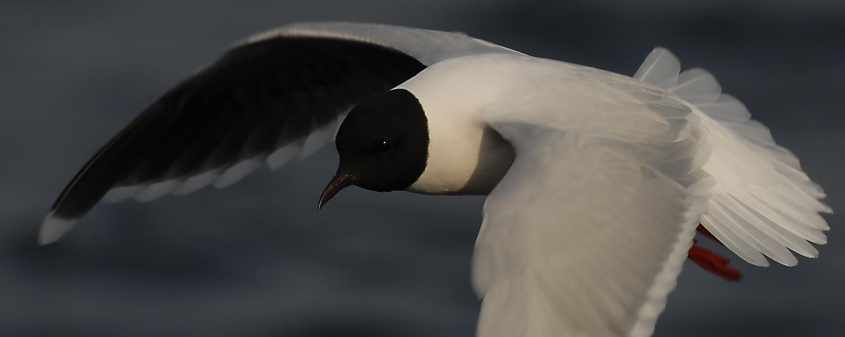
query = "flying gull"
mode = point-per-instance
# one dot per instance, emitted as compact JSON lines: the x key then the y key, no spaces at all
{"x":596,"y":182}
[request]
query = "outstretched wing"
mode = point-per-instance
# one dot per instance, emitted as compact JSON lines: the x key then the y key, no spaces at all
{"x":277,"y":96}
{"x":587,"y":232}
{"x":763,"y":204}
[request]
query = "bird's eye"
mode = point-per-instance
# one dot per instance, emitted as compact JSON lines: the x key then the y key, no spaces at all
{"x":382,"y":144}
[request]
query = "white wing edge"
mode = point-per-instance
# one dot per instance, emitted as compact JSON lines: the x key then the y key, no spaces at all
{"x":667,"y":279}
{"x":427,"y":46}
{"x":53,"y":228}
{"x":235,"y":172}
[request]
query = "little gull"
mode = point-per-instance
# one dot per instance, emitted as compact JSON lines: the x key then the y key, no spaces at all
{"x":596,"y":182}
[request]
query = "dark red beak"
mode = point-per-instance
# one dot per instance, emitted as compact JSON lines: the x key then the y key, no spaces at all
{"x":339,"y":182}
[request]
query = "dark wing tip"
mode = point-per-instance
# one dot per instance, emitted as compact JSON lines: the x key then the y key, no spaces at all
{"x":254,"y":99}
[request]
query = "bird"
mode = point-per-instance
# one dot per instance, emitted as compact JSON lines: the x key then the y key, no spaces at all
{"x":596,"y":182}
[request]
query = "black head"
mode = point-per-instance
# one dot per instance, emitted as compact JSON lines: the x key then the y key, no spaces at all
{"x":382,"y":144}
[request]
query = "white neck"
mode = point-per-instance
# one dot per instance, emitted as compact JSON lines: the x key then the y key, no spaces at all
{"x":464,"y":155}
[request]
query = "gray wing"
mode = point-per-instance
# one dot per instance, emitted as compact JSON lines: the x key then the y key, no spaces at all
{"x":588,"y":230}
{"x":277,"y":96}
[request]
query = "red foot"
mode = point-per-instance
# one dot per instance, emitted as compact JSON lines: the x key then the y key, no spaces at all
{"x":712,"y":262}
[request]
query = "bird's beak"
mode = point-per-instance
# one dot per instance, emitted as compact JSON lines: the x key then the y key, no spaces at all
{"x":339,"y":182}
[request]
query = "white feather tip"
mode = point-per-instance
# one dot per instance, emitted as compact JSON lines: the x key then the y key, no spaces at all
{"x":53,"y":228}
{"x":660,"y":68}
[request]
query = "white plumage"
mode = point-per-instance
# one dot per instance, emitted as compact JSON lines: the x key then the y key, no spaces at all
{"x":238,"y":171}
{"x":586,"y":233}
{"x":762,"y":202}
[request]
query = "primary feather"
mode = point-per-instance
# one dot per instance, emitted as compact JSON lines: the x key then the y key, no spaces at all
{"x":763,"y":203}
{"x":277,"y":96}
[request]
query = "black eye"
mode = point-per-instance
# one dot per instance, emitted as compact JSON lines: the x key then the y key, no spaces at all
{"x":382,"y":144}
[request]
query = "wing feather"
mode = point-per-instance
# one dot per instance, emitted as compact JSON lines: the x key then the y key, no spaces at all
{"x":278,"y":96}
{"x":763,"y":201}
{"x":587,"y":232}
{"x":660,"y":68}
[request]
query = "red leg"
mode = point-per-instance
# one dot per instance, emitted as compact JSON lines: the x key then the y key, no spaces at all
{"x":712,"y":262}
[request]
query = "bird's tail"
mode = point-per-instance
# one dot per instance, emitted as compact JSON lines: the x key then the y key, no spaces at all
{"x":763,"y":203}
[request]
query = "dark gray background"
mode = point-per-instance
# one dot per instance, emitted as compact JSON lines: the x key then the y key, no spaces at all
{"x":256,"y":259}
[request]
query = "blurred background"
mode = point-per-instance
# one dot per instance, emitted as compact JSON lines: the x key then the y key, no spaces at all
{"x":257,"y":259}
